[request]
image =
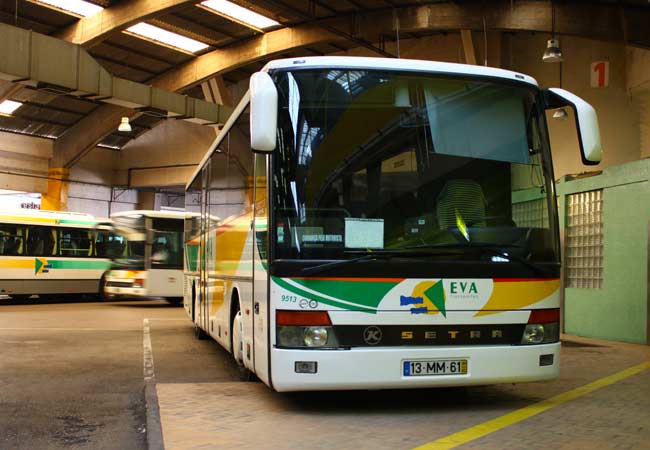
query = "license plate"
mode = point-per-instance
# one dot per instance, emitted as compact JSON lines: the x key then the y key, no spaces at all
{"x":427,"y":367}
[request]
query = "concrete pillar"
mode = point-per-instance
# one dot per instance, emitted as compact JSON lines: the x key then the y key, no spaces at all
{"x":56,"y":197}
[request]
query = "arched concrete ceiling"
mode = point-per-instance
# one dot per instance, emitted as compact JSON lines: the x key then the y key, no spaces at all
{"x":601,"y":21}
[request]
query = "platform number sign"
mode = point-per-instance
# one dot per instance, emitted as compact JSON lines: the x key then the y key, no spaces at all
{"x":600,"y":74}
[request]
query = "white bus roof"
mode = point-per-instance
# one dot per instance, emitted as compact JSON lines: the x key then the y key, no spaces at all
{"x":156,"y":214}
{"x":409,"y":65}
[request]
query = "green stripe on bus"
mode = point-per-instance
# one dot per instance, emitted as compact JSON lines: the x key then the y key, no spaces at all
{"x":80,"y":264}
{"x":327,"y":301}
{"x":364,"y":293}
{"x":76,"y":222}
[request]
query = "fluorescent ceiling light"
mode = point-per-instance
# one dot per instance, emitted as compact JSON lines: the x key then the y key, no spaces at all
{"x":76,"y":7}
{"x":166,"y":37}
{"x":9,"y":106}
{"x":239,"y":14}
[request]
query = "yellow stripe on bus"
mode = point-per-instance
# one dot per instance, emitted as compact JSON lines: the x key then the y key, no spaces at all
{"x":16,"y":264}
{"x":29,"y":219}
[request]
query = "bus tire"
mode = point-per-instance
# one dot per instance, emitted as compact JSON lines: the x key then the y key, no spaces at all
{"x":102,"y":284}
{"x":237,"y":345}
{"x":199,"y":333}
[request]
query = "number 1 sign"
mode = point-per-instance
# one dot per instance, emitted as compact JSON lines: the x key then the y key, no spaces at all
{"x":599,"y":74}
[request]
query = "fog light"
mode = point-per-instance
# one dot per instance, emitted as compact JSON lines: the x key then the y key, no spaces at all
{"x":306,"y":367}
{"x":315,"y":336}
{"x":533,"y":334}
{"x":546,"y":360}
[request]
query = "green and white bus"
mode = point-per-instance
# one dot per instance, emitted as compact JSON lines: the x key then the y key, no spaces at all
{"x":53,"y":253}
{"x":152,"y":265}
{"x":387,"y":223}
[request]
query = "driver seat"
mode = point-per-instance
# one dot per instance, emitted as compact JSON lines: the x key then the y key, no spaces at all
{"x":466,"y":197}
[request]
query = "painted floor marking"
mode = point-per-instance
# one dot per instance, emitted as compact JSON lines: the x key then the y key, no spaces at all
{"x":485,"y":428}
{"x":148,"y":352}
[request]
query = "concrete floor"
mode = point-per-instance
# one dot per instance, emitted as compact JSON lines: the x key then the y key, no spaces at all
{"x":71,"y":376}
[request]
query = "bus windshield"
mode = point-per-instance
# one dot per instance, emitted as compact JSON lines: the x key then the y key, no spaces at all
{"x":153,"y":243}
{"x":372,"y":160}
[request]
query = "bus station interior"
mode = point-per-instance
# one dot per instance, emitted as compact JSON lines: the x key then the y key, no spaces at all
{"x":71,"y":367}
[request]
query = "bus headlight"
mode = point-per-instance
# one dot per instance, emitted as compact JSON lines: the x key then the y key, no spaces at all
{"x":138,"y":283}
{"x":315,"y":336}
{"x":543,"y":327}
{"x":541,"y":333}
{"x":533,"y":334}
{"x":309,"y":337}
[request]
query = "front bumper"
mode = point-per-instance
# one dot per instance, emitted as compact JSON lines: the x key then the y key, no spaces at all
{"x":381,"y":368}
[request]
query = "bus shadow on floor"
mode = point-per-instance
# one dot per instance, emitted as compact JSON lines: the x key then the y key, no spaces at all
{"x":139,"y":302}
{"x":58,"y":299}
{"x":395,"y":400}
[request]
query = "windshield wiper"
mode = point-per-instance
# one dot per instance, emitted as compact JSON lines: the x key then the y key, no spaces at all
{"x":342,"y":262}
{"x":486,"y":247}
{"x":370,"y":255}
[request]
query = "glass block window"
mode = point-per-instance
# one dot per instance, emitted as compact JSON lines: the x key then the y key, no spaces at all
{"x":530,"y":214}
{"x":584,"y":240}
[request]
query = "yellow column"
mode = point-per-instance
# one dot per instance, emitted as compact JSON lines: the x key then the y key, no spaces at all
{"x":56,"y":197}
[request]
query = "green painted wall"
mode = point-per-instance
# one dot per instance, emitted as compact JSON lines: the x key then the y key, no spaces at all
{"x":618,"y":311}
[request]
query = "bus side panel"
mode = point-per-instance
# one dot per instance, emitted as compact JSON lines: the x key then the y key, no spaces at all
{"x":50,"y":275}
{"x":260,"y":273}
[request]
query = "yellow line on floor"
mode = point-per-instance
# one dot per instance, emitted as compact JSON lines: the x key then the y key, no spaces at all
{"x":485,"y":428}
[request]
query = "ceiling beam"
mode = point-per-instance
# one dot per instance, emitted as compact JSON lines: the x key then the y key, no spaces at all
{"x":8,"y":90}
{"x":598,"y":21}
{"x":92,"y":30}
{"x":468,"y":46}
{"x":231,"y":57}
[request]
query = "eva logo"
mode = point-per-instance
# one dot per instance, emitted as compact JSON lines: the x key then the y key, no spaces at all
{"x":41,"y":266}
{"x":428,"y":297}
{"x":462,"y":287}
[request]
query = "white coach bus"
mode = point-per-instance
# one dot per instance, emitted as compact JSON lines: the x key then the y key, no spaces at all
{"x":388,"y":223}
{"x":52,"y":253}
{"x":152,"y":265}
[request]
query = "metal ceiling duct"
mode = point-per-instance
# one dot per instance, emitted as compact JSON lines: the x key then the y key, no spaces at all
{"x":43,"y":61}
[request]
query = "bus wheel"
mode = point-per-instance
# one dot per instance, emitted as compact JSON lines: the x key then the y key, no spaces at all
{"x":237,"y":336}
{"x":199,"y":333}
{"x":102,"y":284}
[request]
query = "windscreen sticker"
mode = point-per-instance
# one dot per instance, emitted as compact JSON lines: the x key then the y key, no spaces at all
{"x":317,"y":238}
{"x":364,"y":233}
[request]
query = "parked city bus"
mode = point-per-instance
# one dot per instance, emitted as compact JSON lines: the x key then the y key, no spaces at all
{"x":387,"y":223}
{"x":52,"y":253}
{"x":152,"y":263}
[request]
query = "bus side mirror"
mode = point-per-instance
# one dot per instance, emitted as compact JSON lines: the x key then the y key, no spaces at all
{"x":264,"y":112}
{"x":586,"y":121}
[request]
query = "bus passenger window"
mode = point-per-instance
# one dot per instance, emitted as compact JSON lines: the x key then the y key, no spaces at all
{"x":74,"y":242}
{"x":40,"y":241}
{"x":11,"y":240}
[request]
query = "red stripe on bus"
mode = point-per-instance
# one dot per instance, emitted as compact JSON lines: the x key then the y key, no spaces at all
{"x":356,"y":280}
{"x":512,"y":280}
